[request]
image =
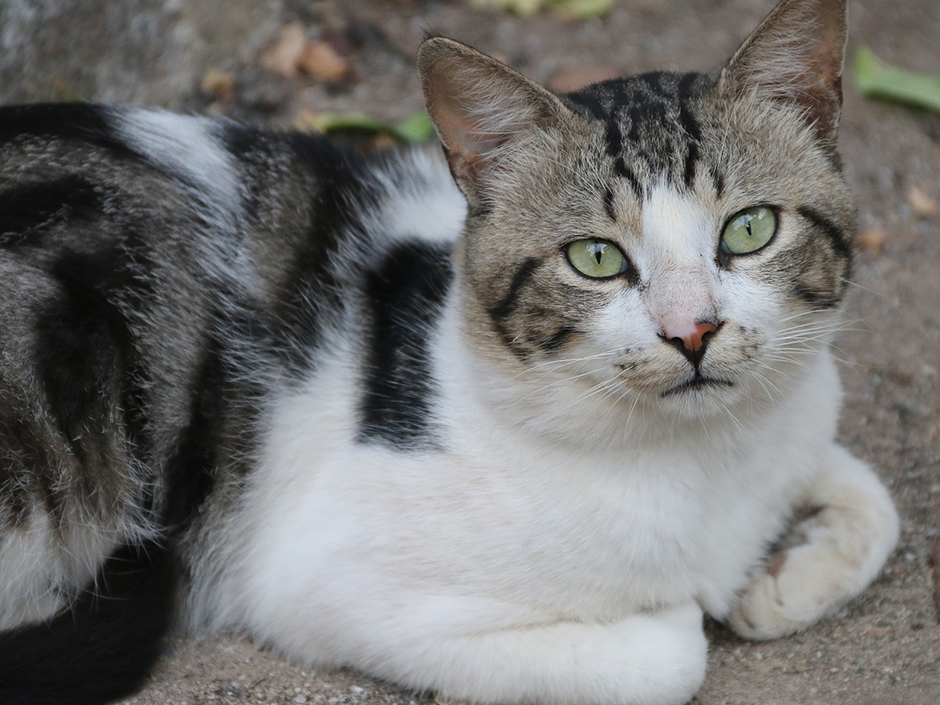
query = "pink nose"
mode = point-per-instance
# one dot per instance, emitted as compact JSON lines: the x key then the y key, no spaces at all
{"x":691,"y":335}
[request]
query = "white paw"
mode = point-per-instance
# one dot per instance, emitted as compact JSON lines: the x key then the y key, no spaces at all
{"x":838,"y":551}
{"x":811,"y":580}
{"x":799,"y":588}
{"x":680,"y":637}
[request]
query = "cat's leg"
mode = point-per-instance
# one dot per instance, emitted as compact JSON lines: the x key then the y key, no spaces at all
{"x":646,"y":659}
{"x":834,"y":554}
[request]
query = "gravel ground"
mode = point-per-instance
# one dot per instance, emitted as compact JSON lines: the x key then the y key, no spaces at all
{"x":884,"y":647}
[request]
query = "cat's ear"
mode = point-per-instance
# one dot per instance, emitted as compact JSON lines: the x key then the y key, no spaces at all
{"x":481,"y":108}
{"x":796,"y":55}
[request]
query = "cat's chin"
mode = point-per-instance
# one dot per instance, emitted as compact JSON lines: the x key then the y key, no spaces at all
{"x":696,"y":384}
{"x":701,"y":395}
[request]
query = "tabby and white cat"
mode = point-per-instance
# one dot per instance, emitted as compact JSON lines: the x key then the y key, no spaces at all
{"x":507,"y":441}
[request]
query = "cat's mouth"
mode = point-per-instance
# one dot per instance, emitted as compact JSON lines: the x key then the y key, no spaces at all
{"x":698,"y":382}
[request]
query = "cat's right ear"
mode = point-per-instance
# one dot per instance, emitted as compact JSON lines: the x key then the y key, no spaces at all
{"x":481,"y":109}
{"x":795,"y":56}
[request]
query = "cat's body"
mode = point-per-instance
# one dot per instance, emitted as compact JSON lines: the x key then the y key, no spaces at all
{"x":375,"y":426}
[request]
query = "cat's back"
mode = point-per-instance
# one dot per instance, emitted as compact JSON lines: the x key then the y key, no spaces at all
{"x":157,"y":273}
{"x":168,"y":213}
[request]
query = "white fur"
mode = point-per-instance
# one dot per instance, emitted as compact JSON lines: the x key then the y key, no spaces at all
{"x":519,"y":565}
{"x":47,"y":561}
{"x":427,"y":207}
{"x":188,"y":149}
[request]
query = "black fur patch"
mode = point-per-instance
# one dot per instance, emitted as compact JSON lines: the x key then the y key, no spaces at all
{"x":103,"y":647}
{"x":310,"y":288}
{"x":816,"y":299}
{"x":691,"y":158}
{"x":648,"y":120}
{"x":504,"y":308}
{"x":244,"y":143}
{"x":608,"y":198}
{"x":84,"y":350}
{"x":82,"y":122}
{"x":554,"y":343}
{"x":190,"y":471}
{"x":835,"y":235}
{"x":406,"y":295}
{"x":620,"y":166}
{"x":79,"y":364}
{"x":718,"y":180}
{"x":27,"y":209}
{"x":614,"y":137}
{"x":687,"y":119}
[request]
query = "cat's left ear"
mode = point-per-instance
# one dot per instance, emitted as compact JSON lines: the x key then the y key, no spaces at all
{"x":481,"y":109}
{"x":796,"y":56}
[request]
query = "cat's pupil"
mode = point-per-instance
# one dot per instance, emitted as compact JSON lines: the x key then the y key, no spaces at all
{"x":747,"y":224}
{"x":598,"y":251}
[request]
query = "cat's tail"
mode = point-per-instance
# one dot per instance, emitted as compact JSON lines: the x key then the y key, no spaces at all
{"x":104,"y":646}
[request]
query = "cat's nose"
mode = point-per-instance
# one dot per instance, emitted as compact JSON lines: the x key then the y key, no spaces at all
{"x":690,"y":339}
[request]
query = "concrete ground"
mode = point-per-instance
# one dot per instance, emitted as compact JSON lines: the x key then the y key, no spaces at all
{"x":884,"y":648}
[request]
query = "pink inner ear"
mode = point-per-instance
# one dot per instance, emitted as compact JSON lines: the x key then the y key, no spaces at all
{"x":819,"y":88}
{"x":465,"y":132}
{"x":466,"y":136}
{"x":827,"y":59}
{"x":796,"y":56}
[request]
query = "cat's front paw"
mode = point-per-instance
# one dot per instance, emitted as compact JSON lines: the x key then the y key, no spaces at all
{"x":838,"y":551}
{"x":798,"y":588}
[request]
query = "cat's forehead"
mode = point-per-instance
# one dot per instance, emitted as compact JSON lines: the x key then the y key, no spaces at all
{"x":652,"y":120}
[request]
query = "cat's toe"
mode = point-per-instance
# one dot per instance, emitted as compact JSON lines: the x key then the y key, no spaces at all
{"x":798,"y":588}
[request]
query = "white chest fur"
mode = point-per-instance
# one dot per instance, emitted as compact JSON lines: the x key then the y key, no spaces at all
{"x":347,"y":545}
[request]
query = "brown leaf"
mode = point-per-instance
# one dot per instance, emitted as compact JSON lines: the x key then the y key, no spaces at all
{"x":321,"y":61}
{"x":282,"y":58}
{"x":217,"y":83}
{"x":872,"y":240}
{"x":922,"y":204}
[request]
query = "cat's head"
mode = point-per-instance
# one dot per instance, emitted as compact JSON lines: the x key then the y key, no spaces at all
{"x":682,"y":240}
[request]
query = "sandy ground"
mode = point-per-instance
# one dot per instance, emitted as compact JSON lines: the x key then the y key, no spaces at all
{"x":883,"y":648}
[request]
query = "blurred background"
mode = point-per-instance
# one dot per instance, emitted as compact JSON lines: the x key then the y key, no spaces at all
{"x":328,"y":65}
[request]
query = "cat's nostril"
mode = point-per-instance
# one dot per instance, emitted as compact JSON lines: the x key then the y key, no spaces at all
{"x":691,"y":339}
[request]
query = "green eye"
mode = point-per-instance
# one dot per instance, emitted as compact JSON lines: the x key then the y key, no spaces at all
{"x":749,"y":230}
{"x":597,"y":259}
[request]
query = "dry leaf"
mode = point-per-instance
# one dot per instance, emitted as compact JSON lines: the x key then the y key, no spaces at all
{"x":217,"y":83}
{"x":283,"y":57}
{"x":872,"y":239}
{"x":922,"y":204}
{"x":383,"y":140}
{"x":321,"y":61}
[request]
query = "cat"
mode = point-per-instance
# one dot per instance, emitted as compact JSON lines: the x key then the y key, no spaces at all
{"x":505,"y":433}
